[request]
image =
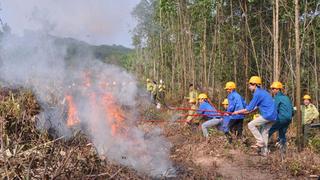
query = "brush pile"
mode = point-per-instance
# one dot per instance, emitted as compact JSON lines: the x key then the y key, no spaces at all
{"x":28,"y":153}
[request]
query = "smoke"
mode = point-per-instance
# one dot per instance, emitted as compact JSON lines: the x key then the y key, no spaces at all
{"x":104,"y":98}
{"x":94,"y":21}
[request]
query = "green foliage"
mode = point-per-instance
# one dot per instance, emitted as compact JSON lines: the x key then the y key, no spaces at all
{"x":211,"y":42}
{"x":76,"y":49}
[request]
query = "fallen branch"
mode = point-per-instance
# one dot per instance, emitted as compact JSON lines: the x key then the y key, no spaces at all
{"x":44,"y":144}
{"x":116,"y":173}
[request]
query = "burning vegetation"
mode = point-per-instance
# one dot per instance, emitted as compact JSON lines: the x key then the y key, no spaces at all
{"x":89,"y":104}
{"x":30,"y":152}
{"x":83,"y":120}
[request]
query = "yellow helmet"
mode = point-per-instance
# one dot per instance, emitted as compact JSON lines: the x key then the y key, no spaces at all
{"x":277,"y":85}
{"x":192,"y":100}
{"x":307,"y":97}
{"x":148,"y":80}
{"x":255,"y":80}
{"x":256,"y":116}
{"x":225,"y":102}
{"x":202,"y":96}
{"x":230,"y":85}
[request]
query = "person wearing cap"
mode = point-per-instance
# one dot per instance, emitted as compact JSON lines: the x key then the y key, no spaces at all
{"x":161,"y":93}
{"x":154,"y":91}
{"x":209,"y":114}
{"x":225,"y":104}
{"x":225,"y":125}
{"x":236,"y":102}
{"x":192,"y":111}
{"x":268,"y":114}
{"x":212,"y":117}
{"x":285,"y":113}
{"x":149,"y":88}
{"x":193,"y":93}
{"x":309,"y":114}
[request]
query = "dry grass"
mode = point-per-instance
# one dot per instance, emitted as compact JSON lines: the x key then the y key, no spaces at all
{"x":27,"y":153}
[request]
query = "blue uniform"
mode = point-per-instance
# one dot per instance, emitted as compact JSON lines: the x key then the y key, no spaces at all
{"x":236,"y":102}
{"x":225,"y":124}
{"x":263,"y":100}
{"x":206,"y":109}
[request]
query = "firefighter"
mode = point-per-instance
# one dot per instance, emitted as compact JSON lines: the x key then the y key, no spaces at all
{"x":154,"y":92}
{"x":309,"y":114}
{"x":191,"y":119}
{"x":149,"y":88}
{"x":161,"y":94}
{"x":210,"y":114}
{"x":268,"y":114}
{"x":225,"y":104}
{"x":193,"y":93}
{"x":236,"y":102}
{"x":285,"y":113}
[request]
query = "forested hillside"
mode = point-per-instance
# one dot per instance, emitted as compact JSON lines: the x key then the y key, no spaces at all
{"x":211,"y":42}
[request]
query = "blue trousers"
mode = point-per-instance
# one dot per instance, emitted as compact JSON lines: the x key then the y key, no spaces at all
{"x":281,"y":126}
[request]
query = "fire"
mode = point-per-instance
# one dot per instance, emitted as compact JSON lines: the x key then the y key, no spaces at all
{"x":72,"y":112}
{"x":114,"y":115}
{"x":102,"y":104}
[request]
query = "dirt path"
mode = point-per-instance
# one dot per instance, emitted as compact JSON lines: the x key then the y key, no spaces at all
{"x":196,"y":158}
{"x":215,"y":159}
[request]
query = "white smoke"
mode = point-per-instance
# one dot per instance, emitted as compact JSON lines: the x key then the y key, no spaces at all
{"x":37,"y":62}
{"x":93,"y":21}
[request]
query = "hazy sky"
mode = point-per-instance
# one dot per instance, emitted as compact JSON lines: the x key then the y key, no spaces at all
{"x":94,"y":21}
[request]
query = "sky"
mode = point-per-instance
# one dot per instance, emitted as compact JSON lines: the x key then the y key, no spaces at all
{"x":93,"y":21}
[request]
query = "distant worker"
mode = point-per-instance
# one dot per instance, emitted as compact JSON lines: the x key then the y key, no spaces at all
{"x":193,"y":93}
{"x":154,"y":92}
{"x":236,"y":102}
{"x":268,"y":114}
{"x":309,"y":114}
{"x":149,"y":88}
{"x":285,"y":113}
{"x":225,"y":104}
{"x":191,"y":118}
{"x":161,"y":93}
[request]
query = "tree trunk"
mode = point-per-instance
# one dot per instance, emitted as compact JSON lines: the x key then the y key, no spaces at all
{"x":276,"y":68}
{"x":298,"y":90}
{"x":315,"y":68}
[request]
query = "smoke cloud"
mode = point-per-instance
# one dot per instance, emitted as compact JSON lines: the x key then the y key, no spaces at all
{"x":94,"y":21}
{"x":101,"y":94}
{"x":81,"y":93}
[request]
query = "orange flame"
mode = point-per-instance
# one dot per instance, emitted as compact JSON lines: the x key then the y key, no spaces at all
{"x":114,"y":115}
{"x":72,"y":112}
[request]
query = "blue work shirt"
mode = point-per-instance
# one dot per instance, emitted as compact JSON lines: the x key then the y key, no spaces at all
{"x":263,"y":100}
{"x":236,"y":102}
{"x":284,"y":107}
{"x":204,"y":107}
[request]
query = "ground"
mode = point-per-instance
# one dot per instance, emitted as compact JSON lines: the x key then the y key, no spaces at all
{"x":28,"y":153}
{"x":197,"y":157}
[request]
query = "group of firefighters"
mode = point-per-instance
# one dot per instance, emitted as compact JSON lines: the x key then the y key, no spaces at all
{"x":275,"y":113}
{"x":156,"y":92}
